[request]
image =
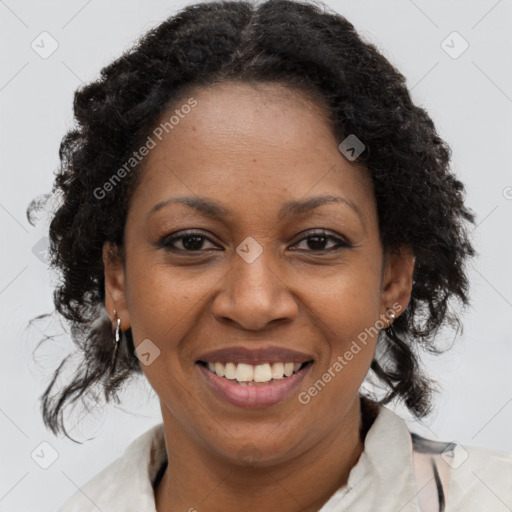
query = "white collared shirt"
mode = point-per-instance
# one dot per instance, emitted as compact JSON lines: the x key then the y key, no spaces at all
{"x":395,"y":473}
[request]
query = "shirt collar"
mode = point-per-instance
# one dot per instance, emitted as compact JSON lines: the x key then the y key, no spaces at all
{"x":386,"y":462}
{"x":384,"y":474}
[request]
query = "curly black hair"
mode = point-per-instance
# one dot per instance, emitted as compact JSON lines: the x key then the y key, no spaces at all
{"x":306,"y":47}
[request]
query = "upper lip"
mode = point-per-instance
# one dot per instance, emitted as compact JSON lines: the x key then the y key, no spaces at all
{"x":255,"y":356}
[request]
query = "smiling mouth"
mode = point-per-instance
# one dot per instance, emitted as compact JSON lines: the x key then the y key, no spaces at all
{"x":255,"y":375}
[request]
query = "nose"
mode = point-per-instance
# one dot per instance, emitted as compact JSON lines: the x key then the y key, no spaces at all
{"x":254,"y":294}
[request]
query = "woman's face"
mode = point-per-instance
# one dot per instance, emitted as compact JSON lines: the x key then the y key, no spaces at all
{"x":254,"y":277}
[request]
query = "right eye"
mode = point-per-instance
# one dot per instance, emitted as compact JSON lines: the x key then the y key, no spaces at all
{"x":192,"y":241}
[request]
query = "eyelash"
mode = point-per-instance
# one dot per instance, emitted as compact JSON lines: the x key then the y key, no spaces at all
{"x":167,"y":242}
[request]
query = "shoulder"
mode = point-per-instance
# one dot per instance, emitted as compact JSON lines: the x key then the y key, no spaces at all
{"x":94,"y":491}
{"x":471,"y":478}
{"x":127,"y":481}
{"x":481,"y":479}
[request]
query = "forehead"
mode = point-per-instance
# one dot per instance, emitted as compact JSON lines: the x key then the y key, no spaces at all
{"x":251,"y":144}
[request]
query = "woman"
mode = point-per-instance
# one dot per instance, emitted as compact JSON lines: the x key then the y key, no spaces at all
{"x":254,"y":216}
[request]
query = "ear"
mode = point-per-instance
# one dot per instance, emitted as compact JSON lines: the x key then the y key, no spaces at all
{"x":397,"y":281}
{"x":115,"y":290}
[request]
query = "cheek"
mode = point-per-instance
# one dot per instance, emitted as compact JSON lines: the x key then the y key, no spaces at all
{"x":347,"y":324}
{"x":165,"y":306}
{"x":348,"y":298}
{"x":163,"y":299}
{"x":345,"y":309}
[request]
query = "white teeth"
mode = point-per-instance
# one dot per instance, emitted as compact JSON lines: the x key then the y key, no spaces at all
{"x":277,"y":370}
{"x":230,"y":371}
{"x":288,"y":369}
{"x":243,"y":372}
{"x":262,"y":373}
{"x":219,"y":369}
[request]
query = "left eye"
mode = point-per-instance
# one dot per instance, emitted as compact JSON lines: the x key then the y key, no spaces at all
{"x":317,"y":241}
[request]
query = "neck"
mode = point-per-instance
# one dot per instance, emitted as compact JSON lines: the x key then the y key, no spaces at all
{"x":196,"y":480}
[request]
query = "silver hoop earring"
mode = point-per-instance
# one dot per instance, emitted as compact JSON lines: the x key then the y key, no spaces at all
{"x":117,"y":337}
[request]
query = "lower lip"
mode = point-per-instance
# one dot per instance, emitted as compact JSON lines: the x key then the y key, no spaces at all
{"x":252,"y":397}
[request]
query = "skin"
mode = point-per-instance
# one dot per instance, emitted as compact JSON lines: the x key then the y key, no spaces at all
{"x":253,"y":148}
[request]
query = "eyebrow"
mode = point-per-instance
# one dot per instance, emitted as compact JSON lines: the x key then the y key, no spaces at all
{"x":212,"y":209}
